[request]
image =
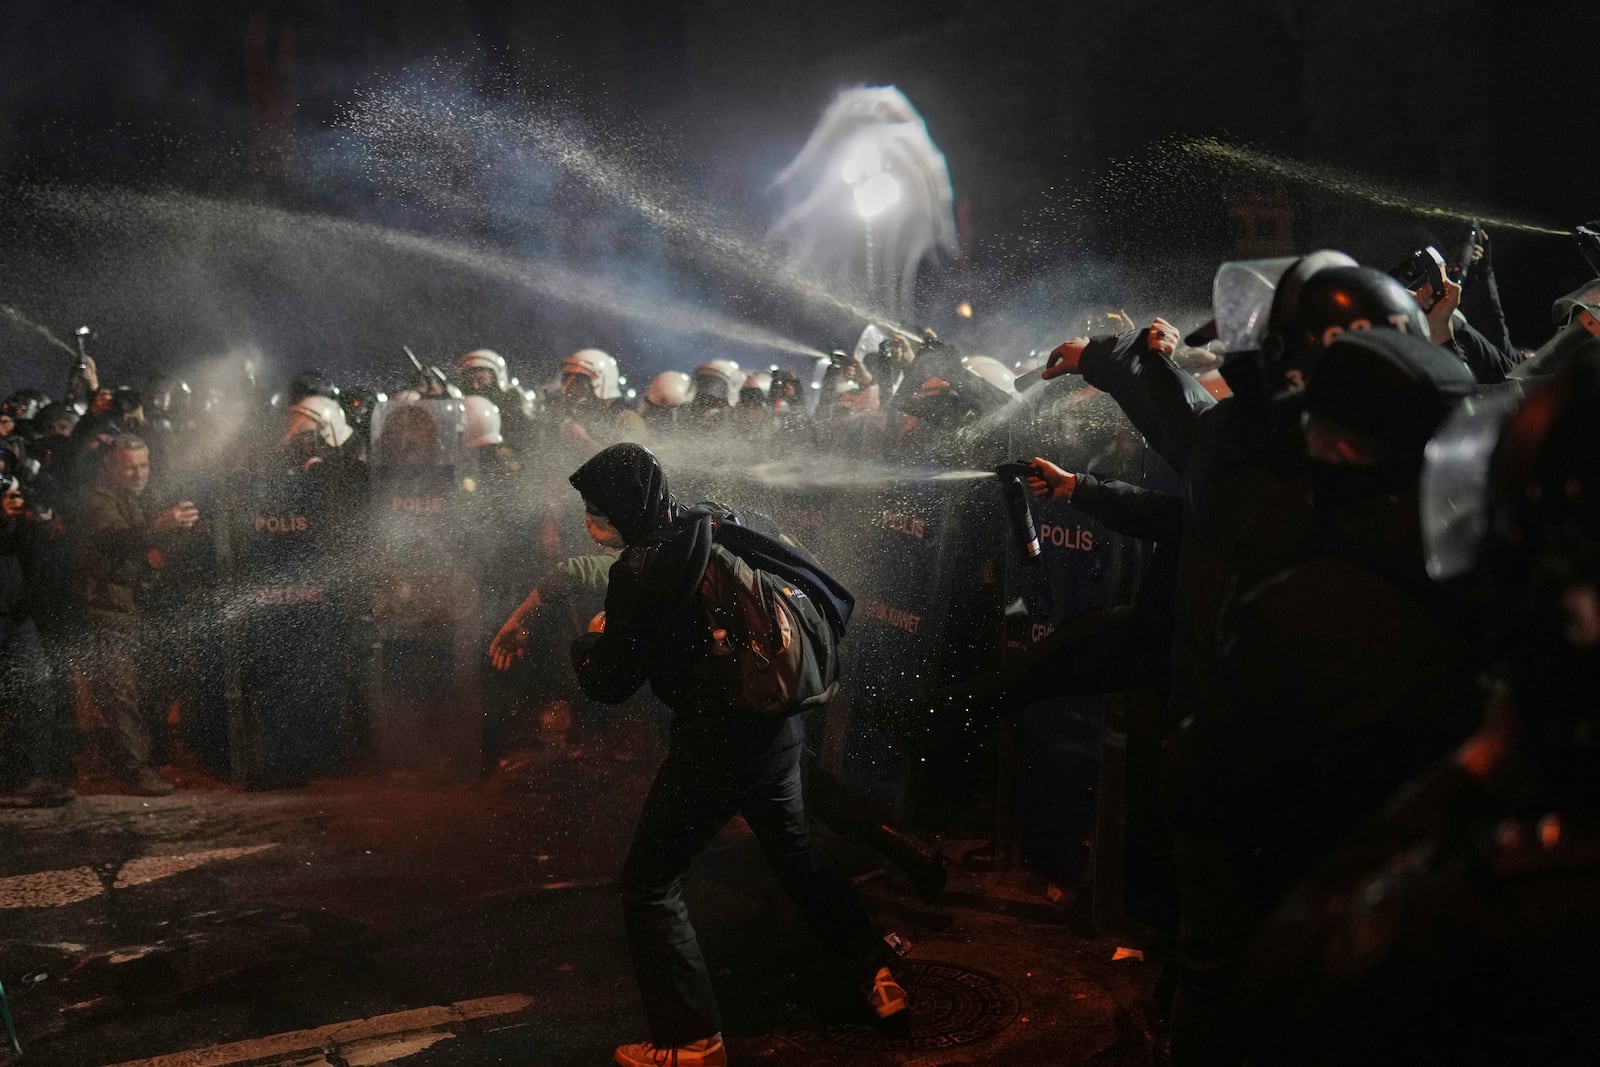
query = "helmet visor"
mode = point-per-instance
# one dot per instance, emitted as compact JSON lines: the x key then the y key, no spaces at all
{"x":1241,"y":300}
{"x":1455,"y":482}
{"x":868,"y":342}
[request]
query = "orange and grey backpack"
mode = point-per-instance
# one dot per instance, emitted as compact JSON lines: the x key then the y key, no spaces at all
{"x":771,"y":651}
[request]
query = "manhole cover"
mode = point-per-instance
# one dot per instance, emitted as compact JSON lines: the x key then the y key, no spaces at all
{"x":950,"y":1006}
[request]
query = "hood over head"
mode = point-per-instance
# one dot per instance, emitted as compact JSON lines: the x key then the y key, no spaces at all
{"x":626,"y":484}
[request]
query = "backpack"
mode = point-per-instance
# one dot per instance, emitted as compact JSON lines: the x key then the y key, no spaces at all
{"x":771,"y":651}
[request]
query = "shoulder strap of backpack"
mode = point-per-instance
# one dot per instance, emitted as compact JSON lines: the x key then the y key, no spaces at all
{"x":792,"y":565}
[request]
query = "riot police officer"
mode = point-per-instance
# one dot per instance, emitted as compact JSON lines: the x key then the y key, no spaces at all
{"x":596,"y":414}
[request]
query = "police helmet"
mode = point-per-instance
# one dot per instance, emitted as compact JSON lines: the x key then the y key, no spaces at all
{"x":125,"y":400}
{"x":992,"y":371}
{"x":170,"y":395}
{"x":599,"y":367}
{"x":725,"y":371}
{"x":1585,"y":298}
{"x":51,"y":414}
{"x":319,"y":414}
{"x":668,"y":390}
{"x":357,"y":403}
{"x":310,"y":383}
{"x":490,"y":360}
{"x":483,"y":422}
{"x":1324,"y":294}
{"x":1274,"y":317}
{"x":19,"y":408}
{"x":754,"y":389}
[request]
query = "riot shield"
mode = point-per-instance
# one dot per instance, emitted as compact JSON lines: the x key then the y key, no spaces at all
{"x":420,"y":572}
{"x":289,"y":617}
{"x":1068,"y":747}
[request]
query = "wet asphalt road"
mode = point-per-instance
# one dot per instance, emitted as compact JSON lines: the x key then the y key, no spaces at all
{"x":358,"y":922}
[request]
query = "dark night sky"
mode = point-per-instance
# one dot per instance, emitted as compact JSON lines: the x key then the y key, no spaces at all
{"x":1480,"y":102}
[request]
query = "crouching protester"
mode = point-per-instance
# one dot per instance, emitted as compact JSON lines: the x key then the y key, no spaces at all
{"x":721,"y":761}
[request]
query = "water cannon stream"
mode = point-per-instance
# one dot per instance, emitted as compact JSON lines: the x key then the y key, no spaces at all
{"x":43,"y":331}
{"x":1351,"y":185}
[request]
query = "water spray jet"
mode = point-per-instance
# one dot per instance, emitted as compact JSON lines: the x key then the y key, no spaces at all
{"x":43,"y":331}
{"x":398,"y":122}
{"x":124,"y":208}
{"x":1350,"y":185}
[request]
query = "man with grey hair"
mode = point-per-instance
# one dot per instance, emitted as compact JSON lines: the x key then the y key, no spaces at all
{"x":121,"y":550}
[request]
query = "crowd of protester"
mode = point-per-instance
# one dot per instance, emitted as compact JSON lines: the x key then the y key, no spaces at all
{"x":1380,"y":685}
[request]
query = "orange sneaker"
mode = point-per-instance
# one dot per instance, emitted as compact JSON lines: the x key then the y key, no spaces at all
{"x":887,"y":997}
{"x":707,"y":1052}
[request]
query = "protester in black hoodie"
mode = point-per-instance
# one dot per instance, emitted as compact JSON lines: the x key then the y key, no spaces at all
{"x":720,"y":762}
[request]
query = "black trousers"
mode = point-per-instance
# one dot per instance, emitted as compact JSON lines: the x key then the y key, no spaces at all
{"x":706,"y":779}
{"x":1215,"y":927}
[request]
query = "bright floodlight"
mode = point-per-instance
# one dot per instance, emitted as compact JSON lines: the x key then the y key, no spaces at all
{"x":876,"y":195}
{"x":863,"y":162}
{"x":869,"y":162}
